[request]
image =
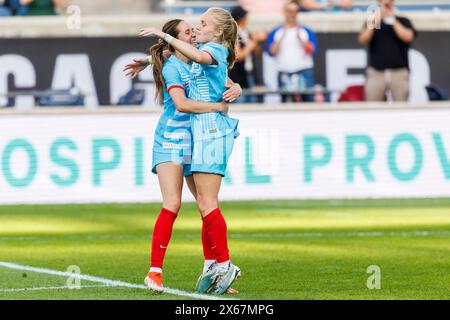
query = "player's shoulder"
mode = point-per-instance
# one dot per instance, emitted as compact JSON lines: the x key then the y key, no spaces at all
{"x":171,"y":62}
{"x":218,"y":52}
{"x":213,"y":45}
{"x":216,"y":47}
{"x":170,"y":66}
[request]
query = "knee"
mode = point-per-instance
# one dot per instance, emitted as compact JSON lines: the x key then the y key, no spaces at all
{"x":172,"y":204}
{"x":206,"y":204}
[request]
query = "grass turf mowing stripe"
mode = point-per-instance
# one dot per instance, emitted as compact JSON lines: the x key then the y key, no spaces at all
{"x":52,"y":288}
{"x":108,"y":282}
{"x":241,"y":235}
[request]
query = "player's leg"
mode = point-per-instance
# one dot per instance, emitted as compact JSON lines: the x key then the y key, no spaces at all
{"x":222,"y":274}
{"x":208,"y":167}
{"x":208,"y":253}
{"x":208,"y":203}
{"x":170,"y":176}
{"x":191,"y":185}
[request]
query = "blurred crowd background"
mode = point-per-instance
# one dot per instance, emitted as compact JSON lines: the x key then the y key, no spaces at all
{"x":104,"y":7}
{"x":285,"y":59}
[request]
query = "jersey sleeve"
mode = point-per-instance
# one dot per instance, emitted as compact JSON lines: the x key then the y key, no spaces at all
{"x":172,"y":78}
{"x":217,"y":53}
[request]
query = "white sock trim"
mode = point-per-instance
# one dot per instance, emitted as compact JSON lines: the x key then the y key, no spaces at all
{"x":153,"y":269}
{"x":207,"y":264}
{"x":224,"y":265}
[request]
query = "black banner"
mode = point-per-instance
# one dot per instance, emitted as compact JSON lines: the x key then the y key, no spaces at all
{"x":95,"y":64}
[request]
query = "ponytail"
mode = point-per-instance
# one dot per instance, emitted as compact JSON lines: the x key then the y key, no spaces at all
{"x":157,"y":53}
{"x":225,"y":21}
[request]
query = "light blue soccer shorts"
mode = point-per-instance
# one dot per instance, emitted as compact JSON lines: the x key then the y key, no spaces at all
{"x":211,"y":155}
{"x":175,"y":157}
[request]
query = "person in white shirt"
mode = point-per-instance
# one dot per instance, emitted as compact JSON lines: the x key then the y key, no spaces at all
{"x":293,"y":46}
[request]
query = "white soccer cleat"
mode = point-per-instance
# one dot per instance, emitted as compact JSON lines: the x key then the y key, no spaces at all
{"x":225,"y":279}
{"x":207,"y":279}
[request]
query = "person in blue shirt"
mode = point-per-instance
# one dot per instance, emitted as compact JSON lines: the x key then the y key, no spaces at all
{"x":172,"y":145}
{"x":213,"y":134}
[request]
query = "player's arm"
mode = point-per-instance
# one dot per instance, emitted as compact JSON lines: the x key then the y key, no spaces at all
{"x":186,"y":49}
{"x":186,"y":105}
{"x":137,"y":66}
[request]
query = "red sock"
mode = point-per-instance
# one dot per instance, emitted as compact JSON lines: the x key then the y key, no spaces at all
{"x":217,"y":234}
{"x":161,"y":236}
{"x":208,"y":253}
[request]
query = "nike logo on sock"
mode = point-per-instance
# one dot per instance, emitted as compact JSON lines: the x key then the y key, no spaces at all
{"x":161,"y":246}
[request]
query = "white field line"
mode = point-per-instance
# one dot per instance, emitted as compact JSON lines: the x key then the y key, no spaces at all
{"x":52,"y":288}
{"x":107,"y":282}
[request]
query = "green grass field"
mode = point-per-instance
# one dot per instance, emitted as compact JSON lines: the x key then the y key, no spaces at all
{"x":286,"y":249}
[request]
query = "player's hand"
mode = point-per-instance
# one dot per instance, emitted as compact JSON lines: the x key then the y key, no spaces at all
{"x":133,"y":69}
{"x":233,"y":93}
{"x":151,"y":32}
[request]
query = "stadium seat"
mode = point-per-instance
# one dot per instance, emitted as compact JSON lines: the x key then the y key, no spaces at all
{"x":352,"y":94}
{"x":436,"y":93}
{"x":132,"y":97}
{"x":65,"y":97}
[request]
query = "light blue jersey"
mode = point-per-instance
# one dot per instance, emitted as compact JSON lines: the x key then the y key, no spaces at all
{"x":173,"y":137}
{"x":207,"y":83}
{"x":213,"y":133}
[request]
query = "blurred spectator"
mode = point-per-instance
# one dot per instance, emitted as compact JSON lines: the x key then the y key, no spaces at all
{"x":12,"y":8}
{"x":41,"y":7}
{"x":268,"y":7}
{"x":389,"y":38}
{"x":18,"y":7}
{"x":244,"y":69}
{"x":293,"y":46}
{"x":5,"y":9}
{"x":309,"y":5}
